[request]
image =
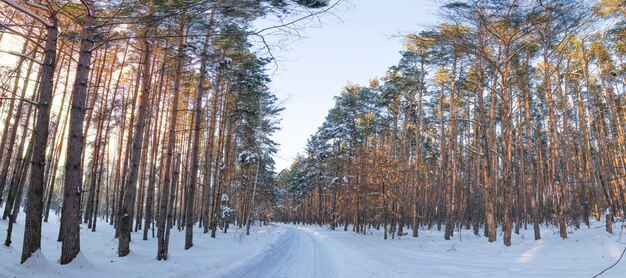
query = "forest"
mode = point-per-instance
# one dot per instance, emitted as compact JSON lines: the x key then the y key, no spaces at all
{"x":147,"y":115}
{"x":154,"y":116}
{"x":506,"y":114}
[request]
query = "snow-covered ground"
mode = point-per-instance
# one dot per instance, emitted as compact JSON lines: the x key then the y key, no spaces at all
{"x":312,"y":251}
{"x":584,"y":254}
{"x":209,"y":257}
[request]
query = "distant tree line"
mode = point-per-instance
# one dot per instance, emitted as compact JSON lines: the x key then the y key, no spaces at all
{"x":507,"y":114}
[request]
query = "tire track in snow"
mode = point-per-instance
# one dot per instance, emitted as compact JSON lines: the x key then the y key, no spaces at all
{"x":295,"y":254}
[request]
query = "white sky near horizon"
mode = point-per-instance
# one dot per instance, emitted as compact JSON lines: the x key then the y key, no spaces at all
{"x":314,"y":69}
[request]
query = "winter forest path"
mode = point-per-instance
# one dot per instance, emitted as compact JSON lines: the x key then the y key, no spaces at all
{"x":313,"y":251}
{"x":297,"y":253}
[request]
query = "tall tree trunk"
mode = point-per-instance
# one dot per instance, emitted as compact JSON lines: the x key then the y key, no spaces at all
{"x":126,"y":212}
{"x":70,"y":217}
{"x":166,"y":205}
{"x":7,"y":122}
{"x":34,"y":205}
{"x":196,"y":143}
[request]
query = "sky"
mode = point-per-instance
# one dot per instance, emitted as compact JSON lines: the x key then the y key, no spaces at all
{"x":310,"y":71}
{"x":313,"y":70}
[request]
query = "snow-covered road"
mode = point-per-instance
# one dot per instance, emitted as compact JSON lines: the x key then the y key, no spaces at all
{"x":299,"y":251}
{"x":313,"y":251}
{"x":296,"y":253}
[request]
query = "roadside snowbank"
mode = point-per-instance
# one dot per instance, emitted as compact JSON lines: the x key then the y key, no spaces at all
{"x":98,"y":257}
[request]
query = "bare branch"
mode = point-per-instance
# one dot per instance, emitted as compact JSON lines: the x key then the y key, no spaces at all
{"x":21,"y":55}
{"x":291,"y":23}
{"x":28,"y":12}
{"x":20,"y":99}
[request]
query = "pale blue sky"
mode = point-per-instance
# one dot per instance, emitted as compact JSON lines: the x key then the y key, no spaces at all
{"x":313,"y":70}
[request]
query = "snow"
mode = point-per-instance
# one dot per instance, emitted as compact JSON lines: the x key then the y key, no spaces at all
{"x":283,"y":250}
{"x":296,"y":254}
{"x":584,"y":254}
{"x":247,"y":157}
{"x":312,"y":251}
{"x":98,"y":257}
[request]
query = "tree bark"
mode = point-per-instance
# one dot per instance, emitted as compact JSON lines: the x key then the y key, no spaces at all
{"x":34,"y":205}
{"x":70,"y":217}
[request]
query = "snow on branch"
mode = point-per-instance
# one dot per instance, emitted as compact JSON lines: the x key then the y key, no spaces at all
{"x":37,"y":6}
{"x":28,"y":12}
{"x":291,"y":23}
